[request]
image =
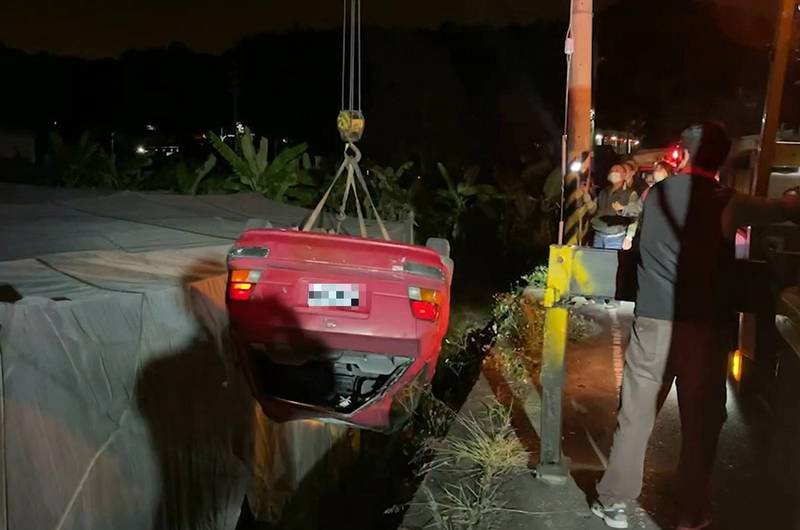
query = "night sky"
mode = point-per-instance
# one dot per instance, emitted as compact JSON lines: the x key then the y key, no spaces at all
{"x":105,"y":28}
{"x":94,"y":28}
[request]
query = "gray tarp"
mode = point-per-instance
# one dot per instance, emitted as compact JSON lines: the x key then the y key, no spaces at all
{"x":121,"y":406}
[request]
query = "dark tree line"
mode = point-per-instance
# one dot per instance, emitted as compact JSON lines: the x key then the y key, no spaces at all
{"x":458,"y":95}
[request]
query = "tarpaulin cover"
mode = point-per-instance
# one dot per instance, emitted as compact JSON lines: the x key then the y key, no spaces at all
{"x":121,"y":405}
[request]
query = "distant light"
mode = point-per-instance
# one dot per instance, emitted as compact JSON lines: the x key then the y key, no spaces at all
{"x":637,"y":142}
{"x":151,"y":127}
{"x":614,"y":138}
{"x":576,"y":166}
{"x":239,"y":127}
{"x":55,"y":123}
{"x":140,"y":150}
{"x":285,"y":140}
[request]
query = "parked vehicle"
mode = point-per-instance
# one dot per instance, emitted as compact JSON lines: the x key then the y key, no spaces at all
{"x":339,"y":328}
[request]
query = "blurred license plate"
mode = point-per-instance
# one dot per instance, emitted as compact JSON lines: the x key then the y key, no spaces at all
{"x":333,"y":295}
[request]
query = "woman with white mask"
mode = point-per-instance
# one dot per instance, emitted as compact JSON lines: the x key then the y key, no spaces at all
{"x":611,"y":227}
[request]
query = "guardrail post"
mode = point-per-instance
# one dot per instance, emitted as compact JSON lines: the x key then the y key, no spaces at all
{"x":553,"y":467}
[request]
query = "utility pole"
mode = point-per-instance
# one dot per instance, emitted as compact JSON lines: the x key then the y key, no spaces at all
{"x":579,"y":138}
{"x":553,"y":467}
{"x":772,"y":107}
{"x":580,"y":82}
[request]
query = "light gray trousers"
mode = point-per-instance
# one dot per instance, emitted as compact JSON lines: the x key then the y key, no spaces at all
{"x":660,"y":352}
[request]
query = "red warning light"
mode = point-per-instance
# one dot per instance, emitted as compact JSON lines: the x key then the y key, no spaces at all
{"x":676,"y":155}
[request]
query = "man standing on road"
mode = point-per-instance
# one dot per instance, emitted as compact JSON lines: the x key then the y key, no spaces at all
{"x":681,"y":326}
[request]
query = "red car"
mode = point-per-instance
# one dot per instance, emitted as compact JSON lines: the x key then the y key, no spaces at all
{"x":339,"y":328}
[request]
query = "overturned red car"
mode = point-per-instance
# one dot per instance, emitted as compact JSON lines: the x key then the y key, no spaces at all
{"x":338,"y":328}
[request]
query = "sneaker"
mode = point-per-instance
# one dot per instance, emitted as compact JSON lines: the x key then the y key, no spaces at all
{"x":615,"y":516}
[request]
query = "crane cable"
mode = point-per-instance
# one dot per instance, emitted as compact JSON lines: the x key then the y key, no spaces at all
{"x":350,"y":123}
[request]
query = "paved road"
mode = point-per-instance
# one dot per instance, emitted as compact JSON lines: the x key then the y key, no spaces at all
{"x":593,"y":376}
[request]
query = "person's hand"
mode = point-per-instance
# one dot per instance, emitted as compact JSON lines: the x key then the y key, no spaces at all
{"x":627,"y":244}
{"x":618,"y":207}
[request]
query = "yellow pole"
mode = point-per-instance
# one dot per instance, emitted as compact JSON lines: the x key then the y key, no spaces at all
{"x":772,"y":107}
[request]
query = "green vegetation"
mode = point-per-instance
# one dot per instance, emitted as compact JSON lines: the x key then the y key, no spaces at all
{"x":79,"y":164}
{"x":519,"y":327}
{"x":189,"y":180}
{"x":284,"y":177}
{"x":464,"y":205}
{"x":460,"y":197}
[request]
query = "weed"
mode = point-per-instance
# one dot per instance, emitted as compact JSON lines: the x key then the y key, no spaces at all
{"x":484,"y":454}
{"x":537,"y":277}
{"x":581,"y":327}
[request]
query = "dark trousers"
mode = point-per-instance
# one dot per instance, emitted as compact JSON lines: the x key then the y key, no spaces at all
{"x":694,"y":357}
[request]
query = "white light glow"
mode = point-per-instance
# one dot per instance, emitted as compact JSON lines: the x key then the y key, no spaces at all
{"x":576,"y":166}
{"x":141,"y":150}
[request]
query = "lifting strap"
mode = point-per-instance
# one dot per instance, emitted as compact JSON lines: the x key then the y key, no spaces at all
{"x":350,"y":167}
{"x":350,"y":123}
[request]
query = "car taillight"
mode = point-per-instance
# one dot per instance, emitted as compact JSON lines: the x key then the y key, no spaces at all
{"x":425,"y":303}
{"x":242,"y":283}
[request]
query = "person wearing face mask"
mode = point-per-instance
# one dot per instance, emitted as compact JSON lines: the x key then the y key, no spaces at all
{"x":661,"y":170}
{"x":611,"y":225}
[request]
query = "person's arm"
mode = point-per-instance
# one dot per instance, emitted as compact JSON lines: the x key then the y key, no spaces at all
{"x":746,"y":210}
{"x":630,"y":233}
{"x":633,"y":208}
{"x":604,"y":208}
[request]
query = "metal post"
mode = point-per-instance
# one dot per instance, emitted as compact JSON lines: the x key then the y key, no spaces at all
{"x":553,"y":468}
{"x":772,"y":106}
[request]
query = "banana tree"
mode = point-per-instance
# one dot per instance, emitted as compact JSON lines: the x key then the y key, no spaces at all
{"x":78,"y":164}
{"x":188,"y":180}
{"x":275,"y":179}
{"x":458,"y":198}
{"x":125,"y":174}
{"x":394,"y":199}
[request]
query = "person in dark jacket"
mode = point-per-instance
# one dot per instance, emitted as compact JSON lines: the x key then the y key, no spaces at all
{"x":615,"y":211}
{"x":661,"y":171}
{"x":682,"y":322}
